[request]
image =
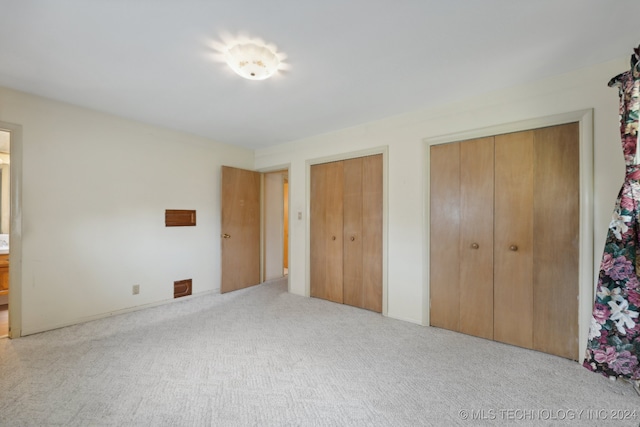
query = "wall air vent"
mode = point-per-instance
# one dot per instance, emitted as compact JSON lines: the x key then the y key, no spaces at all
{"x":182,"y":288}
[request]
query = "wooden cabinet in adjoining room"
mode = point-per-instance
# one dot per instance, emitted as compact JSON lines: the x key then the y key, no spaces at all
{"x":346,"y":232}
{"x":504,"y":238}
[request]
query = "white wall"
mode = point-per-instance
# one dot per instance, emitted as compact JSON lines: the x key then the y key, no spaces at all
{"x":95,"y":188}
{"x":404,"y":135}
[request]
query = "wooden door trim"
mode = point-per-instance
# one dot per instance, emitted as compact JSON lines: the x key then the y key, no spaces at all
{"x":384,"y":151}
{"x":584,"y":118}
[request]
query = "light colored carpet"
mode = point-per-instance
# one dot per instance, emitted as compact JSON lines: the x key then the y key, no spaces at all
{"x":263,"y":357}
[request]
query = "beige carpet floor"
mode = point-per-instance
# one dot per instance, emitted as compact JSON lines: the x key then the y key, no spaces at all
{"x":263,"y":357}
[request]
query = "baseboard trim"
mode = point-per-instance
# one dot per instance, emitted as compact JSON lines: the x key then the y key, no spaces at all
{"x":26,"y":332}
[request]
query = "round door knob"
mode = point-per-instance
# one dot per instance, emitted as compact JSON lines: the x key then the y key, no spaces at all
{"x":475,"y":246}
{"x":333,"y":238}
{"x":226,"y":236}
{"x":513,"y":248}
{"x":353,"y":238}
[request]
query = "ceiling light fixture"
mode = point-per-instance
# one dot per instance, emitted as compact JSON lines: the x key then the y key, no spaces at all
{"x":252,"y":61}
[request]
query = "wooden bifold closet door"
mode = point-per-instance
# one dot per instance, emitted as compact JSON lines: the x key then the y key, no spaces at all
{"x":504,"y":238}
{"x":346,"y":232}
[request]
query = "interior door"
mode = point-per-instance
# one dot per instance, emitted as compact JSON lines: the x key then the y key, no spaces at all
{"x":444,"y":274}
{"x":327,"y":231}
{"x":513,"y":249}
{"x":240,"y":228}
{"x":353,"y":293}
{"x":557,"y":179}
{"x":372,"y":193}
{"x":476,"y":237}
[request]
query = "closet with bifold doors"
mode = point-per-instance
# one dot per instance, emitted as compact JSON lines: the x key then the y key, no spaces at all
{"x":504,"y":230}
{"x":346,"y":232}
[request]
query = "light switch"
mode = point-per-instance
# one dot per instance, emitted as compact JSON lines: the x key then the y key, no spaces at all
{"x":299,"y":215}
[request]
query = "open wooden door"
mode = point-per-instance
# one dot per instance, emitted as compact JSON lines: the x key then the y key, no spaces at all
{"x":240,"y":228}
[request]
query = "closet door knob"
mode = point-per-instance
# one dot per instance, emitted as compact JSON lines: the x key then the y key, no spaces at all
{"x":513,"y":248}
{"x":333,"y":238}
{"x":353,"y":238}
{"x":475,"y":246}
{"x":226,"y":236}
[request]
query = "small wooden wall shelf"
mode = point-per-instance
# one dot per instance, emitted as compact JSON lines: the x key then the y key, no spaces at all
{"x":179,"y":218}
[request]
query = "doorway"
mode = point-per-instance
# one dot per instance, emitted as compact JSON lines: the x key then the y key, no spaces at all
{"x":254,"y":227}
{"x":5,"y":219}
{"x":276,"y":225}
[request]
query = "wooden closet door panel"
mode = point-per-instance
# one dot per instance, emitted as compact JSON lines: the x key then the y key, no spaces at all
{"x":476,"y":237}
{"x":352,"y":235}
{"x":444,"y":232}
{"x":513,"y":239}
{"x":556,"y":245}
{"x":372,"y":232}
{"x":318,"y":226}
{"x":326,"y":231}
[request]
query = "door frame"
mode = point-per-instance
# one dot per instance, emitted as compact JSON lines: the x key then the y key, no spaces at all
{"x":15,"y":232}
{"x":384,"y":151}
{"x":586,"y":273}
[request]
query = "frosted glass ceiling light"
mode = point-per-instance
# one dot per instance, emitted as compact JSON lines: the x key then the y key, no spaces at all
{"x":252,"y":61}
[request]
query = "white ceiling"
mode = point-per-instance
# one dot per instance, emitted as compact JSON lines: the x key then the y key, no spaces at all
{"x":351,"y":61}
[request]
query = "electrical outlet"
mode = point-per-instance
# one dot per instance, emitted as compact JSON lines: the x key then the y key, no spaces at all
{"x":136,"y":289}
